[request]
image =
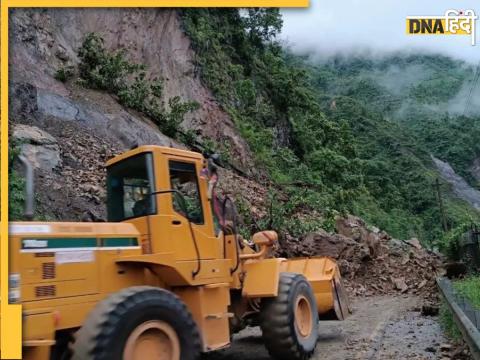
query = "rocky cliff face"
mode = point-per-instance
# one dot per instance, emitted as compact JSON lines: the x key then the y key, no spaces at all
{"x":459,"y":186}
{"x":475,"y":169}
{"x":87,"y":127}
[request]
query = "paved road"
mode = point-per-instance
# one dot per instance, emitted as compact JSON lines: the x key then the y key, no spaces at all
{"x":387,"y":327}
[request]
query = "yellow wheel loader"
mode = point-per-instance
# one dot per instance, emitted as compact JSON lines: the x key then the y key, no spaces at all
{"x":167,"y":277}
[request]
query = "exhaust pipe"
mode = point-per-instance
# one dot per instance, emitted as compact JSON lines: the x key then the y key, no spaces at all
{"x":29,"y":189}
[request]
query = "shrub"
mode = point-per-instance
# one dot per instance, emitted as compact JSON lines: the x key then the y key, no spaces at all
{"x":470,"y":288}
{"x":448,"y":324}
{"x":112,"y":72}
{"x":65,"y":73}
{"x":16,"y":186}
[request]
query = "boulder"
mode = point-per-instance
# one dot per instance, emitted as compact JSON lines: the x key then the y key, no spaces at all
{"x":415,"y":243}
{"x":352,"y":227}
{"x":355,"y":228}
{"x":38,"y":146}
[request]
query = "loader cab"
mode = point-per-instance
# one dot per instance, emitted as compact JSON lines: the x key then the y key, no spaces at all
{"x":129,"y":183}
{"x":161,"y":191}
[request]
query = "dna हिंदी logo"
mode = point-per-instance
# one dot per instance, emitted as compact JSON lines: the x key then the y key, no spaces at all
{"x":453,"y":22}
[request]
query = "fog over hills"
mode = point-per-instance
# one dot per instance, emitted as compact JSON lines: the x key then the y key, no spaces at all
{"x":372,"y":28}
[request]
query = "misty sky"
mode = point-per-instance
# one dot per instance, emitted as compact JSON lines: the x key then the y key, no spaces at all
{"x":329,"y":27}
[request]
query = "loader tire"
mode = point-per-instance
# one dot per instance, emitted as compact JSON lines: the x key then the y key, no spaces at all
{"x":139,"y":322}
{"x":289,"y":321}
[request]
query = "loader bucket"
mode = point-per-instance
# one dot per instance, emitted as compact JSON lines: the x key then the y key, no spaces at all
{"x":341,"y":305}
{"x":324,"y":276}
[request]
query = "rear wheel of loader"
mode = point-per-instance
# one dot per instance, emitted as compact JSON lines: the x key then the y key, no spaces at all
{"x":289,"y":322}
{"x":138,"y":323}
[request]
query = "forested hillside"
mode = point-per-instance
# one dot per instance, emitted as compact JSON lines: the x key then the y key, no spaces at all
{"x":427,"y":94}
{"x":346,"y":134}
{"x":314,"y":137}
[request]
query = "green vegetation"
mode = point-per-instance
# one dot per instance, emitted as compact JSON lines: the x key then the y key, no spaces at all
{"x":65,"y":73}
{"x":470,"y":288}
{"x":448,"y":324}
{"x":16,"y":187}
{"x":402,"y":109}
{"x":449,"y":242}
{"x":453,"y":139}
{"x":283,"y":216}
{"x":111,"y":71}
{"x":274,"y":107}
{"x":343,"y":135}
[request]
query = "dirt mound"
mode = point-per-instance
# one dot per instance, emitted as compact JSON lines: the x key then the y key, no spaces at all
{"x":371,"y":262}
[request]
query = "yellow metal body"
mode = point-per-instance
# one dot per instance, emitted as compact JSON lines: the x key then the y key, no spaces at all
{"x":65,"y":268}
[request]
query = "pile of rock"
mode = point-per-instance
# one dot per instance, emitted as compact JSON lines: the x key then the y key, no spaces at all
{"x":69,"y":164}
{"x":371,"y":262}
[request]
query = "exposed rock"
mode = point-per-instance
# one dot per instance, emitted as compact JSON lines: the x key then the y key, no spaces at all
{"x":475,"y":169}
{"x":43,"y":40}
{"x":445,"y":347}
{"x":57,"y":105}
{"x":400,"y":284}
{"x":430,"y":310}
{"x":455,"y":269}
{"x":415,"y":243}
{"x":460,"y":187}
{"x":422,"y":284}
{"x":352,"y":227}
{"x":76,"y":190}
{"x":327,"y":244}
{"x":355,"y":228}
{"x":39,"y":147}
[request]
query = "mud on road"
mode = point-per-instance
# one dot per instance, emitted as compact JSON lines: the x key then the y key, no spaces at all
{"x":381,"y":327}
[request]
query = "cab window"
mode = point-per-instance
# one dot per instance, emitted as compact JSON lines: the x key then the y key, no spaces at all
{"x":130,"y":184}
{"x":183,"y":178}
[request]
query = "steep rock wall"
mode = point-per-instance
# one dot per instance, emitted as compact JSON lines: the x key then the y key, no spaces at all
{"x":44,"y":40}
{"x":459,"y":186}
{"x":475,"y":169}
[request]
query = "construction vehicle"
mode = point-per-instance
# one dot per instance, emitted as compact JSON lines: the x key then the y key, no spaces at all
{"x":167,"y":277}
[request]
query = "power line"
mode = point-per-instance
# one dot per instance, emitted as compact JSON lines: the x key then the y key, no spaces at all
{"x":474,"y":83}
{"x":476,"y":76}
{"x":438,"y":191}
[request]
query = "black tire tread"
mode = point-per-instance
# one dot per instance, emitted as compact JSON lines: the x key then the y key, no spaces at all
{"x":92,"y":339}
{"x":276,"y":322}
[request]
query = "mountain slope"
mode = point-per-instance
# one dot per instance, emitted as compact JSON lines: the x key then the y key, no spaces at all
{"x":311,"y":140}
{"x":44,"y":41}
{"x":83,"y":120}
{"x":343,"y":145}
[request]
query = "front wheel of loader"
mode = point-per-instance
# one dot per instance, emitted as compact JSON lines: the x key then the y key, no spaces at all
{"x":289,"y":321}
{"x":138,"y":323}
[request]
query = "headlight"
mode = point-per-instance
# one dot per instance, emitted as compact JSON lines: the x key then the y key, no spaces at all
{"x":14,"y":288}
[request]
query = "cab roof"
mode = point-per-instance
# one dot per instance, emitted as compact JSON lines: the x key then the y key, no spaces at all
{"x":155,"y":148}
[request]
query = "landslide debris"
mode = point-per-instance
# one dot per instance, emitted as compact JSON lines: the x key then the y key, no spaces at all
{"x":372,"y":262}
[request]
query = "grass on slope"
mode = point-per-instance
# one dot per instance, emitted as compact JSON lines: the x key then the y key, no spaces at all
{"x":470,"y":288}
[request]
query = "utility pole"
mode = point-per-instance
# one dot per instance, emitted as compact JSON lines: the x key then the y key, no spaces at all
{"x":440,"y":204}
